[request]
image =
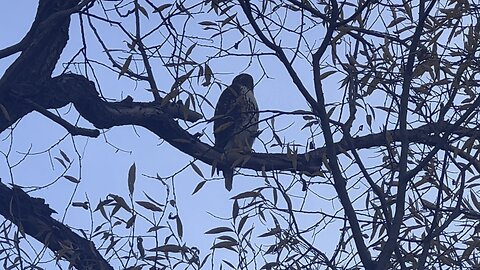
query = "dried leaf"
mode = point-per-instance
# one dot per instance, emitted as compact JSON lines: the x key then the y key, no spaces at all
{"x":130,"y":222}
{"x":273,"y":231}
{"x":208,"y":23}
{"x":219,"y":230}
{"x":225,"y":244}
{"x":196,"y":169}
{"x":71,"y":179}
{"x":199,"y":186}
{"x":149,"y":206}
{"x":326,"y":74}
{"x":125,"y":66}
{"x":131,"y":179}
{"x":235,"y":210}
{"x":179,"y":227}
{"x":246,"y":194}
{"x":61,"y":162}
{"x":189,"y":50}
{"x":120,"y":202}
{"x":143,"y":10}
{"x":64,"y":156}
{"x":162,"y":7}
{"x":208,"y":75}
{"x":168,"y":248}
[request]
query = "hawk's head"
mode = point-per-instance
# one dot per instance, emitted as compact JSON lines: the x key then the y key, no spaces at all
{"x":244,"y":80}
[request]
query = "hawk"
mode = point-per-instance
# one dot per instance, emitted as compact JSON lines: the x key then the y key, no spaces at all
{"x":236,"y":121}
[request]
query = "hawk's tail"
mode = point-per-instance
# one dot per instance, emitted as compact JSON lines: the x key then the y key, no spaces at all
{"x":228,"y":175}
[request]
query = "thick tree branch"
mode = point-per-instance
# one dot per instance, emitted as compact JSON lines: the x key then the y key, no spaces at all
{"x":152,"y":116}
{"x":32,"y":216}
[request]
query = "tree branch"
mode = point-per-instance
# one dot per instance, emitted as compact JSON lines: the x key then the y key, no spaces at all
{"x":82,"y":93}
{"x":32,"y":216}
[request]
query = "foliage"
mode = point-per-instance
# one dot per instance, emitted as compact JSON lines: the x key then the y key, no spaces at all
{"x":372,"y":164}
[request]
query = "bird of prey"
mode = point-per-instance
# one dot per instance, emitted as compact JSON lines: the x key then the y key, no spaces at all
{"x":236,"y":121}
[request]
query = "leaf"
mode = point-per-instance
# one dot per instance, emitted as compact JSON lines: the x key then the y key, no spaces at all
{"x":293,"y":158}
{"x":162,"y":7}
{"x":132,"y":45}
{"x":196,"y":169}
{"x":277,"y":139}
{"x":71,"y":179}
{"x":246,"y":194}
{"x":225,"y":244}
{"x":219,"y":230}
{"x":179,"y":226}
{"x":228,"y":19}
{"x":429,"y":205}
{"x":131,"y":179}
{"x":120,"y":202}
{"x":369,"y":120}
{"x":101,"y":208}
{"x":309,"y":124}
{"x":189,"y":50}
{"x":242,"y":223}
{"x":229,"y":264}
{"x":168,"y":248}
{"x":180,"y":80}
{"x":208,"y":23}
{"x":408,"y":9}
{"x":468,"y":251}
{"x":156,"y":228}
{"x":396,"y":21}
{"x":143,"y":11}
{"x":199,"y":186}
{"x":125,"y":66}
{"x":84,"y":205}
{"x":169,"y":96}
{"x":130,"y":222}
{"x":270,"y":265}
{"x":149,"y":206}
{"x":372,"y":86}
{"x":271,"y":232}
{"x":235,"y":210}
{"x":326,"y":74}
{"x":467,"y":146}
{"x":330,"y":111}
{"x":64,"y":156}
{"x":184,"y":63}
{"x":204,"y":261}
{"x":61,"y":162}
{"x":434,"y":39}
{"x":152,"y":200}
{"x":208,"y":75}
{"x":475,"y":201}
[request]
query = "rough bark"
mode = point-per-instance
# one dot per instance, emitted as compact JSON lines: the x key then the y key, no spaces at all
{"x":32,"y":216}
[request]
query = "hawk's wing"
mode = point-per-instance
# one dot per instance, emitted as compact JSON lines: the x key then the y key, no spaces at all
{"x":226,"y":113}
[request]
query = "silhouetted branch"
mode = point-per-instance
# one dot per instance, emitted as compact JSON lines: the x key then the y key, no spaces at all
{"x":32,"y":216}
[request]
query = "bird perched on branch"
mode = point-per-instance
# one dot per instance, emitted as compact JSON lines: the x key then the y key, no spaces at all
{"x":236,"y":121}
